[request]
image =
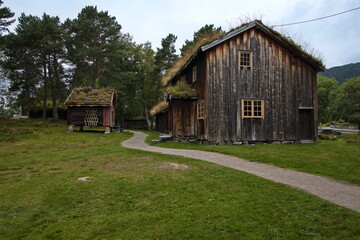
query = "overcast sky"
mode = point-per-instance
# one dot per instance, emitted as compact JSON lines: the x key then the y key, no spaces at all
{"x":336,"y":38}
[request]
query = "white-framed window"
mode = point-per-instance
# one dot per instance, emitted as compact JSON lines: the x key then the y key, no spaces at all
{"x":194,"y":74}
{"x":200,"y":109}
{"x":252,"y":108}
{"x":245,"y":58}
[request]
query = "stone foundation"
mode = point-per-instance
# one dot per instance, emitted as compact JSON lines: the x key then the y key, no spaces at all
{"x":194,"y":139}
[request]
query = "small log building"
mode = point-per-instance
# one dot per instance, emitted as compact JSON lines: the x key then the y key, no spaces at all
{"x":91,"y":107}
{"x":251,"y":84}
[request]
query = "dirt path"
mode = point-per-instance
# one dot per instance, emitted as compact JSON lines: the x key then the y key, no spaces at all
{"x":343,"y":194}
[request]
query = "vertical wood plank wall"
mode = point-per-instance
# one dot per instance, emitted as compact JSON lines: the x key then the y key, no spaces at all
{"x":282,"y":80}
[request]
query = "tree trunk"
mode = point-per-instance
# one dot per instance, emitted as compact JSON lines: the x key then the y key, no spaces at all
{"x":147,"y":117}
{"x":27,"y":104}
{"x":56,"y":80}
{"x":45,"y":92}
{"x":97,"y":73}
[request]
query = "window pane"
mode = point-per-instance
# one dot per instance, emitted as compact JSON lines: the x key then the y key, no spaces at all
{"x":244,"y":59}
{"x":253,"y":108}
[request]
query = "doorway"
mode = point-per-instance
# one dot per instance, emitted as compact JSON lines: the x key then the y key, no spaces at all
{"x":306,"y":124}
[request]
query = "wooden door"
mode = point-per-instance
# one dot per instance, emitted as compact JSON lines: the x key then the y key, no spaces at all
{"x":201,"y":128}
{"x":306,"y":124}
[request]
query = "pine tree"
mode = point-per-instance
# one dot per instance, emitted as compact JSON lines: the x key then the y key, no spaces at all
{"x":202,"y":34}
{"x":166,"y":55}
{"x":92,"y":39}
{"x":51,"y":48}
{"x":5,"y":14}
{"x":33,"y":53}
{"x":21,"y":70}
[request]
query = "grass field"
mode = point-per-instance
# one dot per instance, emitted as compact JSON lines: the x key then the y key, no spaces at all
{"x":338,"y":159}
{"x":140,"y":195}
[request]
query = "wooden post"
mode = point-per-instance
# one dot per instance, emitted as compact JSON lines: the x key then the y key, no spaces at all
{"x":81,"y":128}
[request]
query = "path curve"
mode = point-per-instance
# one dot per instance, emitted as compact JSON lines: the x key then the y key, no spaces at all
{"x":343,"y":194}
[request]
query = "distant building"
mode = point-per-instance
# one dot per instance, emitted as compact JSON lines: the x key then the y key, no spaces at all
{"x":91,"y":107}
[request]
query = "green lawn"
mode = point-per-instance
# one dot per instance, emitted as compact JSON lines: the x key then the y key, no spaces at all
{"x":141,"y":195}
{"x":338,"y":159}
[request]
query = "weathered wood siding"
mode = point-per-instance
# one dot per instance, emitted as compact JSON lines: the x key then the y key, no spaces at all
{"x":181,"y":119}
{"x":183,"y":112}
{"x":162,"y":122}
{"x":109,"y":116}
{"x":284,"y":81}
{"x":76,"y":115}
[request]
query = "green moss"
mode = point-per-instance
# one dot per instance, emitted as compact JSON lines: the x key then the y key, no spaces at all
{"x":182,"y":90}
{"x":90,"y":96}
{"x":161,"y":106}
{"x":192,"y":51}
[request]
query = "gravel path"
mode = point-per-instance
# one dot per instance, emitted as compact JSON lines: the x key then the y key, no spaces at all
{"x":343,"y":194}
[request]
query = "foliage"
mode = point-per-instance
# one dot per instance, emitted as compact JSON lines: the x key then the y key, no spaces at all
{"x":347,"y":102}
{"x":340,"y":122}
{"x":6,"y":112}
{"x":140,"y":195}
{"x":92,"y":41}
{"x":351,"y":139}
{"x":33,"y":60}
{"x":148,"y":84}
{"x":181,"y":90}
{"x":327,"y":89}
{"x":200,"y":36}
{"x":166,"y":55}
{"x":5,"y":14}
{"x":21,"y":61}
{"x":335,"y":159}
{"x":341,"y":73}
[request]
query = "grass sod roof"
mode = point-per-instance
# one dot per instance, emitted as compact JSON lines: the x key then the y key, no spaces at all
{"x":161,"y":106}
{"x":188,"y":55}
{"x":181,"y":90}
{"x":90,"y":97}
{"x":212,"y":40}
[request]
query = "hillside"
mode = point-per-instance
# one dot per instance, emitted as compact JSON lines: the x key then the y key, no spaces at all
{"x":341,"y":73}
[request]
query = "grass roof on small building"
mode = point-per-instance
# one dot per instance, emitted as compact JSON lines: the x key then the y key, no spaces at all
{"x":161,"y":106}
{"x":88,"y":96}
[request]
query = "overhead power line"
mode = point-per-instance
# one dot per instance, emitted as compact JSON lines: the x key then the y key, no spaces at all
{"x":316,"y":19}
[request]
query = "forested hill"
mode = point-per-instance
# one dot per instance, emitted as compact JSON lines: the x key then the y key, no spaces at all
{"x":341,"y":73}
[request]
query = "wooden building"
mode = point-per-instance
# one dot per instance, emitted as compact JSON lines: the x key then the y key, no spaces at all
{"x":162,"y":121}
{"x":91,"y":107}
{"x":135,"y":122}
{"x":161,"y":115}
{"x":251,"y":84}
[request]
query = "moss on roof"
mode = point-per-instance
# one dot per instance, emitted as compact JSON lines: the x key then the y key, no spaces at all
{"x":193,"y":51}
{"x":181,"y":90}
{"x":161,"y":106}
{"x":188,"y":54}
{"x":298,"y":47}
{"x":90,"y":96}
